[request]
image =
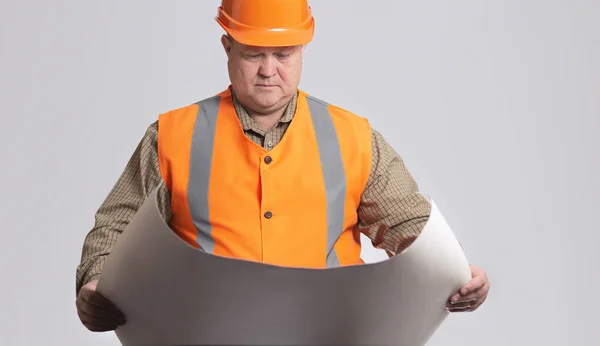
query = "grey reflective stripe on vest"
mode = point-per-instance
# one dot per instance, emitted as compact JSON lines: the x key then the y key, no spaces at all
{"x":331,"y":163}
{"x":333,"y":173}
{"x":200,"y":167}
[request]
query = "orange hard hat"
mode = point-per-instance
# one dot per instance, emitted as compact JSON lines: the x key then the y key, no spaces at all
{"x":267,"y":23}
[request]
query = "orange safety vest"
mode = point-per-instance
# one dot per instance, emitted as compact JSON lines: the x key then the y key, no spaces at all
{"x":295,"y":205}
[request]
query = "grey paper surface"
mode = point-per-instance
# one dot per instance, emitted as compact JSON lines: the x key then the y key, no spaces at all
{"x":173,"y":294}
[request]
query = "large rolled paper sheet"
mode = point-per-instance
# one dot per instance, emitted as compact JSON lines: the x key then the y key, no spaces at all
{"x":173,"y":294}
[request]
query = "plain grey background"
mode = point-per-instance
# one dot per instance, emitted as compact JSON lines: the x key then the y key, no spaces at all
{"x":494,"y":106}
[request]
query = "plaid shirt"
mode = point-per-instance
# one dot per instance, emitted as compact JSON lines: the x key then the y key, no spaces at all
{"x":391,"y":214}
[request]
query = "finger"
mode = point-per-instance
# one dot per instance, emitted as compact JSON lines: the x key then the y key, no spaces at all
{"x":471,"y":296}
{"x":95,"y":311}
{"x":94,"y":304}
{"x":96,"y":328}
{"x":101,"y":319}
{"x":98,"y":310}
{"x":462,"y":304}
{"x":472,"y":285}
{"x":96,"y":299}
{"x":455,"y":310}
{"x":464,"y":307}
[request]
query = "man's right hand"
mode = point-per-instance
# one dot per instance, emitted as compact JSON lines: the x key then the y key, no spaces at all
{"x":97,"y":313}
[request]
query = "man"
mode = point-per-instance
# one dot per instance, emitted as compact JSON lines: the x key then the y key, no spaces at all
{"x":263,"y":171}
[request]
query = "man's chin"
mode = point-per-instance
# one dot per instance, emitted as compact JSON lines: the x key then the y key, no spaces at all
{"x":266,"y":88}
{"x":268,"y":102}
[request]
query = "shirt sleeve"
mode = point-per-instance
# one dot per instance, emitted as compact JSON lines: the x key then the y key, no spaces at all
{"x":392,"y":211}
{"x":140,"y":177}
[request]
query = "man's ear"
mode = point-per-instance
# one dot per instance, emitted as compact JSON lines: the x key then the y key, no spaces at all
{"x":227,"y":44}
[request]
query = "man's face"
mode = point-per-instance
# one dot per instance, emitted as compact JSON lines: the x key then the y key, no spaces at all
{"x":264,"y":78}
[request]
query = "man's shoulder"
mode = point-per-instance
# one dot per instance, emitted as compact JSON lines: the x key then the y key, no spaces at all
{"x":335,"y":110}
{"x":192,"y":108}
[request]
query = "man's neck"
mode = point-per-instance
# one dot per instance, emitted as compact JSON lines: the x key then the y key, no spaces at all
{"x":267,"y":121}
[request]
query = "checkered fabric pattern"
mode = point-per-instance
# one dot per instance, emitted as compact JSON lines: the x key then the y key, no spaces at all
{"x":392,"y":212}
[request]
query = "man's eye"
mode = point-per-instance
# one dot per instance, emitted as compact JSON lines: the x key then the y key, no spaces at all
{"x":283,"y":56}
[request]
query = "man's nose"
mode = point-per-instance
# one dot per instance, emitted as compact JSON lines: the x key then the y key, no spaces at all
{"x":268,"y":67}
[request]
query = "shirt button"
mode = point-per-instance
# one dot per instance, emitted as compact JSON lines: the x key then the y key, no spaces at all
{"x":268,"y":160}
{"x":270,"y":144}
{"x":268,"y":215}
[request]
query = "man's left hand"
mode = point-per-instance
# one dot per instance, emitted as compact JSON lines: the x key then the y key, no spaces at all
{"x":472,"y":294}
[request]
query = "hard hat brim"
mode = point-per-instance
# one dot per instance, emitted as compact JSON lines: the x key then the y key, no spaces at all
{"x":266,"y":37}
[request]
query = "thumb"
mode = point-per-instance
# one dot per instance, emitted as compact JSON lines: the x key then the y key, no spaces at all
{"x":91,"y":285}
